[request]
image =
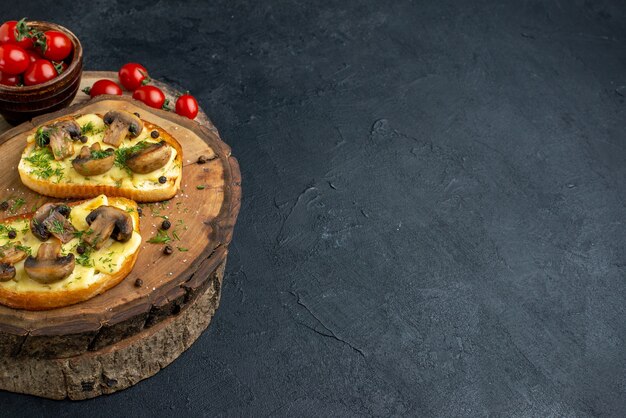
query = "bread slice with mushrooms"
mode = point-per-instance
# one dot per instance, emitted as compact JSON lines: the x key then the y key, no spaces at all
{"x":67,"y":253}
{"x":116,"y":154}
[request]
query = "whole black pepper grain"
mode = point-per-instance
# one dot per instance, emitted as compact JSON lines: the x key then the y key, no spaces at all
{"x":80,"y":249}
{"x":4,"y":205}
{"x":154,"y":134}
{"x":12,"y":234}
{"x":139,"y":211}
{"x":137,"y":114}
{"x":168,"y":250}
{"x":138,"y":283}
{"x":84,"y":139}
{"x":166,"y":224}
{"x":162,"y":179}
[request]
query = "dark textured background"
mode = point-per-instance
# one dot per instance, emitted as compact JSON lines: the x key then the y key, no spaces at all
{"x":433,"y":213}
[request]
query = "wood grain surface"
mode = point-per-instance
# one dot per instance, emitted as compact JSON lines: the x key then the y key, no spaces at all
{"x":117,"y":366}
{"x":202,"y":219}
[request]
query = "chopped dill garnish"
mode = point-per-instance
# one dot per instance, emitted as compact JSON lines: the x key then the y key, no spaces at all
{"x":42,"y":138}
{"x":41,"y":160}
{"x":17,"y":204}
{"x":87,"y":128}
{"x":182,"y":249}
{"x":27,"y":250}
{"x":56,"y":227}
{"x":122,"y":154}
{"x":100,"y":154}
{"x":161,"y":237}
{"x":84,"y":259}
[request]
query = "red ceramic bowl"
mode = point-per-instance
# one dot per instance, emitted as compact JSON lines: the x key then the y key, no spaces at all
{"x":19,"y":104}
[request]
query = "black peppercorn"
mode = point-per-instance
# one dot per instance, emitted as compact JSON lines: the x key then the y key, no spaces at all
{"x":162,"y":179}
{"x":154,"y":134}
{"x":137,"y":114}
{"x":12,"y":234}
{"x":168,"y":250}
{"x":4,"y":205}
{"x":83,"y":139}
{"x":138,"y":283}
{"x":166,"y":224}
{"x":80,"y":249}
{"x":139,"y":211}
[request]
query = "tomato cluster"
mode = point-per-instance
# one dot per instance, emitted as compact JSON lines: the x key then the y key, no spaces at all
{"x":134,"y":77}
{"x":29,"y":56}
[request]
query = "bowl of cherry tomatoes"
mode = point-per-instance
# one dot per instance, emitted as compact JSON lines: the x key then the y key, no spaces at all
{"x":41,"y":64}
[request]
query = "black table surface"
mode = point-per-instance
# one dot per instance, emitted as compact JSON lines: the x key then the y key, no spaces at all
{"x":433,"y":209}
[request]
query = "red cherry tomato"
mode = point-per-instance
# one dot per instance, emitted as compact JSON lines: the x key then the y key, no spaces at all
{"x":103,"y":87}
{"x":133,"y":75}
{"x":186,"y":105}
{"x":39,"y":72}
{"x":9,"y":80}
{"x":150,"y":95}
{"x":13,"y":59}
{"x":32,"y":56}
{"x":57,"y":45}
{"x":13,"y":30}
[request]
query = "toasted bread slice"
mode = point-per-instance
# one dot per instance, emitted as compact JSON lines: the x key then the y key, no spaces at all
{"x":95,"y":271}
{"x":39,"y":171}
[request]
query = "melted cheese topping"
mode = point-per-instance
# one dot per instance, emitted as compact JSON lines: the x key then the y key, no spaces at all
{"x":107,"y":260}
{"x":62,"y":172}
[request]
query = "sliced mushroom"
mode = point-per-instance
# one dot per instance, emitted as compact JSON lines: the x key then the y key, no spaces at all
{"x":52,"y":219}
{"x":150,"y":158}
{"x":60,"y":135}
{"x":7,"y":272}
{"x":11,"y":254}
{"x":93,"y":161}
{"x":49,"y":266}
{"x":121,"y":123}
{"x":107,"y":222}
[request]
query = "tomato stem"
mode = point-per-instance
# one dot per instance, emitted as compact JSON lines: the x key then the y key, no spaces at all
{"x":58,"y":66}
{"x":22,"y":30}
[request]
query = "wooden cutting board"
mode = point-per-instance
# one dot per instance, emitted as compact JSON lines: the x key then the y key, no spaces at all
{"x":128,"y":333}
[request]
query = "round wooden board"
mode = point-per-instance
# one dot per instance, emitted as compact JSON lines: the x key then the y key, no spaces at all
{"x":118,"y":366}
{"x":202,"y":217}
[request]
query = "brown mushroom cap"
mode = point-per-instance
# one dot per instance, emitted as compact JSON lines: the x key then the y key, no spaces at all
{"x":60,"y":135}
{"x":120,"y":123}
{"x":150,"y":158}
{"x":49,"y":266}
{"x":70,"y":126}
{"x":90,"y":163}
{"x":108,"y":222}
{"x":52,"y":219}
{"x":10,"y":254}
{"x":7,"y":272}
